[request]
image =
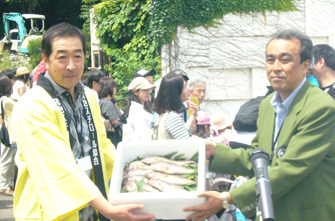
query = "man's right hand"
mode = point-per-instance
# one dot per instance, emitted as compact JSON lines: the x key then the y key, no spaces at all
{"x":120,"y":212}
{"x":124,"y":213}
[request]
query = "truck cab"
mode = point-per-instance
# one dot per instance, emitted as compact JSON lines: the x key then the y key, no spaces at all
{"x":16,"y":35}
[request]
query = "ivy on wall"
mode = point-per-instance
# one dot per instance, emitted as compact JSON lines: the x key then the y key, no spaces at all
{"x":132,"y":32}
{"x":167,"y":15}
{"x":124,"y":32}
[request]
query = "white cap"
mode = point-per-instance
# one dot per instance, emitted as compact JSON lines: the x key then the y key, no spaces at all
{"x":140,"y":83}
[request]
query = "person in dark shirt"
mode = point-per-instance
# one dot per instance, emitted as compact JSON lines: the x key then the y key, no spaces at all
{"x":324,"y":67}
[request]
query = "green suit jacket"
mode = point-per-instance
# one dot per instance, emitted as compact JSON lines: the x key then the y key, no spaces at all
{"x":302,"y":170}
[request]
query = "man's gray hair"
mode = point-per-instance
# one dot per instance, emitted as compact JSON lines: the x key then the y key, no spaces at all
{"x":191,"y":83}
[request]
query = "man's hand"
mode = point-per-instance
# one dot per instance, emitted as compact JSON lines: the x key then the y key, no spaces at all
{"x":121,"y":212}
{"x":193,"y":108}
{"x":210,"y":149}
{"x":212,"y":205}
{"x":124,"y":213}
{"x":115,"y":121}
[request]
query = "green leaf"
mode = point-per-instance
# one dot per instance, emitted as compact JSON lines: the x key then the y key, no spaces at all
{"x":195,"y":157}
{"x":179,"y":157}
{"x":170,"y":155}
{"x":139,"y":186}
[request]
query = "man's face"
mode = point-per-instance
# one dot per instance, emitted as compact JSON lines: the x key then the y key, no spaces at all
{"x":199,"y":91}
{"x":317,"y":68}
{"x":66,"y":62}
{"x":283,"y":67}
{"x":95,"y":85}
{"x":150,"y":79}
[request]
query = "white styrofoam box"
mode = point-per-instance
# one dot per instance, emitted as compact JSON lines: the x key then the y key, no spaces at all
{"x":162,"y":205}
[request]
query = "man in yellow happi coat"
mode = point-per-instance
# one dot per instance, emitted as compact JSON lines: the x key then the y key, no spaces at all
{"x":64,"y":158}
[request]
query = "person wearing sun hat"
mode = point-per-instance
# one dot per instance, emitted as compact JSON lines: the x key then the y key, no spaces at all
{"x":220,"y":126}
{"x":139,"y":114}
{"x":220,"y":123}
{"x":22,"y":83}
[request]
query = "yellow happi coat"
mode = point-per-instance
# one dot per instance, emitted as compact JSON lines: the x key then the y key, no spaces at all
{"x":50,"y":185}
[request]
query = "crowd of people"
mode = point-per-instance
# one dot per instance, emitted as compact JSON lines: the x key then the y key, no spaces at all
{"x":65,"y":129}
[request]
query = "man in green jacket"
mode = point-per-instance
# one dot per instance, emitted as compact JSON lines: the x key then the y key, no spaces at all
{"x":296,"y":127}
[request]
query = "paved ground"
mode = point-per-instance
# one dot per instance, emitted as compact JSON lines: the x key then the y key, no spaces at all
{"x":6,"y":208}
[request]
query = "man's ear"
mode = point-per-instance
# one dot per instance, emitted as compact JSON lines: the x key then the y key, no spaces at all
{"x":306,"y":65}
{"x":45,"y":60}
{"x":322,"y":62}
{"x":94,"y":83}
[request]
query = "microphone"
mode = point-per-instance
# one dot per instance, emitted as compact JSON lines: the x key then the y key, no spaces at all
{"x":260,"y":159}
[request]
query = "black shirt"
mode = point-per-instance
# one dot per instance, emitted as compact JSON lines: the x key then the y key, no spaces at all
{"x":330,"y":90}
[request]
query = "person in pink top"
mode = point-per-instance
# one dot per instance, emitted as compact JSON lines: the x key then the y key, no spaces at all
{"x":40,"y":68}
{"x":203,"y":125}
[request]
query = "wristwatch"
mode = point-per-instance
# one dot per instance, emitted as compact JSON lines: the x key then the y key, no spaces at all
{"x":225,"y":203}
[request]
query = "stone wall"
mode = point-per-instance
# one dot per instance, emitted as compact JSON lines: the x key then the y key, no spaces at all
{"x":231,"y":58}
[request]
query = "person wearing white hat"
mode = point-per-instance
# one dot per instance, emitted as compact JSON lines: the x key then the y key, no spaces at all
{"x":149,"y":75}
{"x":139,"y":114}
{"x":22,"y":83}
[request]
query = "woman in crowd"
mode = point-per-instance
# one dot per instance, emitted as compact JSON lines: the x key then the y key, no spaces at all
{"x":169,"y":105}
{"x":22,"y":83}
{"x":7,"y":166}
{"x":111,"y":114}
{"x":138,"y":111}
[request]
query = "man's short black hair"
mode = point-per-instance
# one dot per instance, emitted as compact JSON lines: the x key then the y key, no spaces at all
{"x":5,"y":85}
{"x":60,"y":30}
{"x":181,"y":72}
{"x":106,"y":87}
{"x":326,"y":52}
{"x":305,"y":41}
{"x":10,"y":73}
{"x":94,"y":75}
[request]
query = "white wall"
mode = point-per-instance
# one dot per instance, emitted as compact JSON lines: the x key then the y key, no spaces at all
{"x":231,"y":56}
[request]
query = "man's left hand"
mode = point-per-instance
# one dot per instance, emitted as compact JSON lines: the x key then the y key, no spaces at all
{"x":212,"y":205}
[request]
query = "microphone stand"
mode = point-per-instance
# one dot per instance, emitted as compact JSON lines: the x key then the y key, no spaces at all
{"x":260,"y":160}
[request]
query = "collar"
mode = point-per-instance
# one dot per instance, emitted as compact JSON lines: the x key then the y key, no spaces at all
{"x":332,"y":85}
{"x":136,"y":104}
{"x":276,"y":100}
{"x":78,"y":89}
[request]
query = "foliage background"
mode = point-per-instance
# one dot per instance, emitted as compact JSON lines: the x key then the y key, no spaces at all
{"x":7,"y":63}
{"x":133,"y":32}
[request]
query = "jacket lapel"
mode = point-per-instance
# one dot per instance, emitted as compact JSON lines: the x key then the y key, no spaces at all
{"x":291,"y":117}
